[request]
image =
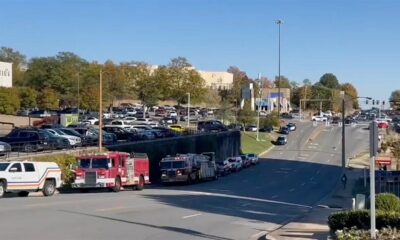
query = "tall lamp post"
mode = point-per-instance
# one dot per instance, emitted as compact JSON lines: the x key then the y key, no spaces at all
{"x":188,"y":111}
{"x":279,"y":22}
{"x":101,"y":111}
{"x":259,"y":106}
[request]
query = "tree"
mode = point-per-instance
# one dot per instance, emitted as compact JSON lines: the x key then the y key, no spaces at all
{"x":28,"y":97}
{"x":395,"y":149}
{"x":9,"y":101}
{"x":47,"y":99}
{"x":395,"y":99}
{"x":350,"y":91}
{"x":272,"y":120}
{"x":329,"y":80}
{"x":182,"y":79}
{"x":146,"y":86}
{"x":212,"y":98}
{"x":225,"y":112}
{"x":240,"y":80}
{"x":284,"y":82}
{"x":246,"y":115}
{"x":18,"y":62}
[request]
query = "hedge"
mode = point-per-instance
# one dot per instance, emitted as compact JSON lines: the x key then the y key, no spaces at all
{"x":360,"y":219}
{"x":383,"y":234}
{"x":387,"y":202}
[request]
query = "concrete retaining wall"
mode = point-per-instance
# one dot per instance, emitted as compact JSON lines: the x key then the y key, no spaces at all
{"x":224,"y":144}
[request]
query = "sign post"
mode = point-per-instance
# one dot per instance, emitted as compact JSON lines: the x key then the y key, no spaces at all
{"x":373,"y":145}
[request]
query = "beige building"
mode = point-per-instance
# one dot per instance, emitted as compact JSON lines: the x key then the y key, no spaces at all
{"x":217,"y":80}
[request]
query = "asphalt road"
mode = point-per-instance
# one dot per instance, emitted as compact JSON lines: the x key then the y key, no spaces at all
{"x":288,"y":182}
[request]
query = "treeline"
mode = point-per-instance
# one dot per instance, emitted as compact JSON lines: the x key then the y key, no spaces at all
{"x":51,"y":82}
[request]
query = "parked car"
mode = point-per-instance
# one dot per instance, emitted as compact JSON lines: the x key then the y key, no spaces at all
{"x":5,"y":148}
{"x":121,"y":132}
{"x":291,"y":126}
{"x":73,"y":140}
{"x":56,"y":142}
{"x":253,"y":158}
{"x":319,"y":119}
{"x":251,"y":128}
{"x":266,"y":129}
{"x":281,"y":140}
{"x":286,"y":115}
{"x":236,"y":126}
{"x":236,"y":163}
{"x":211,"y":126}
{"x":39,"y":114}
{"x":383,"y":125}
{"x":168,"y":120}
{"x":284,"y":130}
{"x":245,"y":160}
{"x":91,"y":120}
{"x":223,"y":168}
{"x":177,"y":128}
{"x":27,"y":140}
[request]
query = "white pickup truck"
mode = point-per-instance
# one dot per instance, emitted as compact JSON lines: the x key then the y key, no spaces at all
{"x":24,"y":177}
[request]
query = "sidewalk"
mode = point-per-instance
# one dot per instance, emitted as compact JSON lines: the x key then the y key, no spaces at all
{"x":314,"y":224}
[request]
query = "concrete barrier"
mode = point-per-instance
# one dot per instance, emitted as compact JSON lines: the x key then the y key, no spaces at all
{"x":224,"y":144}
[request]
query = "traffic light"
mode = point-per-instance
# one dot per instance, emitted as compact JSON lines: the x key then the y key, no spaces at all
{"x":373,"y":102}
{"x":383,"y":102}
{"x":377,"y":102}
{"x":366,"y":101}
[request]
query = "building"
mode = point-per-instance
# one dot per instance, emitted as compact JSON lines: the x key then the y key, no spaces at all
{"x":270,"y":98}
{"x":217,"y":80}
{"x":5,"y":74}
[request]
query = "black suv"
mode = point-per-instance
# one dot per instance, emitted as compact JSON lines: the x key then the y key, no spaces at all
{"x":211,"y":126}
{"x":27,"y":140}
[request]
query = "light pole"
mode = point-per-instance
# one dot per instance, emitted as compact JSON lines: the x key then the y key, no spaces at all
{"x":259,"y":108}
{"x":78,"y":92}
{"x":101,"y":111}
{"x":279,"y":22}
{"x":188,"y":111}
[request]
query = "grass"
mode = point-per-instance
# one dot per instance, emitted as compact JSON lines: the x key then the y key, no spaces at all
{"x":250,"y":144}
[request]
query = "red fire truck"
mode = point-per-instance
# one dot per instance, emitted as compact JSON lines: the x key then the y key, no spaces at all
{"x":112,"y":170}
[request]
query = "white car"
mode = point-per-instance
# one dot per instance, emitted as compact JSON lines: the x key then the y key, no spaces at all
{"x":40,"y":176}
{"x":91,"y":120}
{"x":253,"y":158}
{"x":172,"y":114}
{"x":319,"y":119}
{"x":73,"y":140}
{"x":130,"y":119}
{"x":236,"y":163}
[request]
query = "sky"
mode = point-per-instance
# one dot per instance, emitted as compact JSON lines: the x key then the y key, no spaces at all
{"x":358,"y":41}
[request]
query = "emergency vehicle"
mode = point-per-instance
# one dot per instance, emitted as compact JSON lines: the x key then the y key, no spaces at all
{"x":112,"y":170}
{"x":24,"y":177}
{"x":188,"y":168}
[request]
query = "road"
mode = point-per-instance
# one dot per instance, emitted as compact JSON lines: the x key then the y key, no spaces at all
{"x":288,"y":182}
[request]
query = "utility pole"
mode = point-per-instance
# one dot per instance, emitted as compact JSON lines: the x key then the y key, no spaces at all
{"x":101,"y":112}
{"x":279,"y":22}
{"x":259,"y":107}
{"x":188,"y":111}
{"x":343,"y":132}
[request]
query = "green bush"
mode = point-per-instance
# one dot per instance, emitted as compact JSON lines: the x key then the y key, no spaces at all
{"x":352,"y":234}
{"x":387,"y":202}
{"x":65,"y":162}
{"x":271,"y":120}
{"x":360,"y":219}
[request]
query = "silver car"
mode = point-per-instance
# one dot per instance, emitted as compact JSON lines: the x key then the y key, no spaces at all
{"x":5,"y":148}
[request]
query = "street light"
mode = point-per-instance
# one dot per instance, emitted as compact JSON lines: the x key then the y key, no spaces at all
{"x":279,"y":22}
{"x":188,"y":111}
{"x":101,"y":111}
{"x":259,"y":108}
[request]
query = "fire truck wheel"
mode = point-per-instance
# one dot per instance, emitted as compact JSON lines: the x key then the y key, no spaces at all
{"x":140,"y":186}
{"x":49,"y":188}
{"x":117,"y":185}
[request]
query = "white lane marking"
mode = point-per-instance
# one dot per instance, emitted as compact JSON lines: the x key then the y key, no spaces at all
{"x":110,"y":209}
{"x":259,"y":213}
{"x":328,"y":160}
{"x":315,"y":144}
{"x":312,"y":147}
{"x":248,"y":198}
{"x":291,"y":190}
{"x":193,"y":215}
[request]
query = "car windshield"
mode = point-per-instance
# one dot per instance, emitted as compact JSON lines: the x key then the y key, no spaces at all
{"x":178,"y":164}
{"x":251,"y":155}
{"x":59,"y":132}
{"x":84,"y":163}
{"x":232,"y":160}
{"x":71,"y":132}
{"x":165,"y":165}
{"x":281,"y":138}
{"x":3,"y":166}
{"x":100,"y":163}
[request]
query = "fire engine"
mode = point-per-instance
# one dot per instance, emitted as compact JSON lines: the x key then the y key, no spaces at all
{"x":112,"y":170}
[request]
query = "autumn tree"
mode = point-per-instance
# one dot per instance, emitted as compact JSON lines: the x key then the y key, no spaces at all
{"x":351,"y":91}
{"x":283,"y":83}
{"x":246,"y":115}
{"x":395,"y":99}
{"x":329,"y":80}
{"x":28,"y":97}
{"x":240,"y":80}
{"x":9,"y":101}
{"x":47,"y":99}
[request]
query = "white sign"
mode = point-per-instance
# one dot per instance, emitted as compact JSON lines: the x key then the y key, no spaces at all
{"x":5,"y":74}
